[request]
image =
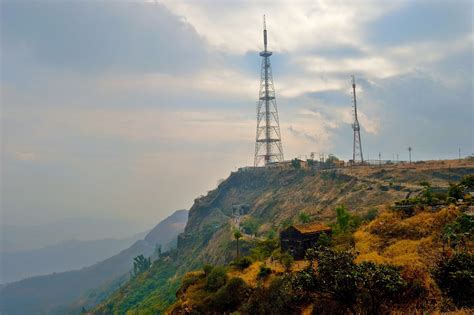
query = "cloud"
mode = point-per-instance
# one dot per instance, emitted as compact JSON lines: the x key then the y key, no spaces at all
{"x":93,"y":36}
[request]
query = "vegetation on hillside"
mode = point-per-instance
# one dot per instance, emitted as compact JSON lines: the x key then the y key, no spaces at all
{"x":273,"y":200}
{"x":422,"y":261}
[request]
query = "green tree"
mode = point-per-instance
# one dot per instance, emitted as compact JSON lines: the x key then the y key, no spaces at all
{"x":287,"y":261}
{"x":296,"y":163}
{"x":141,"y":264}
{"x":250,"y":226}
{"x":216,"y":279}
{"x":455,"y":277}
{"x":343,"y":217}
{"x":237,"y":236}
{"x":304,"y":217}
{"x":381,"y":283}
{"x":456,"y":191}
{"x":337,"y":276}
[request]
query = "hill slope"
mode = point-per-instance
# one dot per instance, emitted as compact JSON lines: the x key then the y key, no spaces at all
{"x":65,"y":256}
{"x":273,"y":198}
{"x":53,"y":293}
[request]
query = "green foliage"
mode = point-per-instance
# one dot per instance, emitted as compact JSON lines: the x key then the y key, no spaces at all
{"x":343,"y":217}
{"x":264,"y":272}
{"x":264,"y":249}
{"x":286,"y":223}
{"x":324,"y":240}
{"x":242,"y":263}
{"x":370,"y":215}
{"x":456,"y":191}
{"x":468,"y":181}
{"x":345,"y":222}
{"x":228,"y":298}
{"x":149,"y":292}
{"x":459,"y":232}
{"x":287,"y":261}
{"x":381,"y":284}
{"x":278,"y":298}
{"x":304,"y":217}
{"x":455,"y":276}
{"x":216,"y":279}
{"x":207,"y":269}
{"x":250,"y":226}
{"x":296,"y":163}
{"x":141,"y":264}
{"x":337,"y":276}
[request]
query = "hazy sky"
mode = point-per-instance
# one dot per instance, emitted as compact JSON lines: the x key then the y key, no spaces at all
{"x":133,"y":109}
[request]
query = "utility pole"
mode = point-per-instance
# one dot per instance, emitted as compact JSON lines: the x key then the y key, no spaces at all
{"x":409,"y":153}
{"x":268,"y":147}
{"x":380,"y":159}
{"x":459,"y":154}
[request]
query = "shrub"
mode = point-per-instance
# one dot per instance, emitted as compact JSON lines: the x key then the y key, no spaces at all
{"x":264,"y":272}
{"x":250,"y":226}
{"x":242,"y":263}
{"x":381,"y":284}
{"x":287,"y":261}
{"x":229,"y":297}
{"x":455,"y":277}
{"x":460,"y":231}
{"x":337,"y":276}
{"x":304,"y":217}
{"x":216,"y":279}
{"x":370,"y":215}
{"x":456,"y":191}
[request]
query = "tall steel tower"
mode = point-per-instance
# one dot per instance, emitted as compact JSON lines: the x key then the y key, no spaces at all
{"x":268,"y":147}
{"x":357,"y":145}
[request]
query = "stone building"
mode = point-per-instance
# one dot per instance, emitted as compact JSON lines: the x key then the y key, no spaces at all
{"x":296,"y":239}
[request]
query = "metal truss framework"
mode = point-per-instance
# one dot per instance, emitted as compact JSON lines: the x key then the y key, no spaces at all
{"x":268,"y":146}
{"x":357,"y":144}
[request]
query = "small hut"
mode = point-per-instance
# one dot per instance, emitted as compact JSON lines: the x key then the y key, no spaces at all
{"x":296,"y":239}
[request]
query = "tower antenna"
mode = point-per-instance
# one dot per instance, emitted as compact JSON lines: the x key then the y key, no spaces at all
{"x":268,"y":147}
{"x":357,"y":144}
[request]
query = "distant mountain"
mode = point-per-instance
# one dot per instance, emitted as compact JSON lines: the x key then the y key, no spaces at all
{"x":52,"y":294}
{"x":65,"y":256}
{"x":23,"y":238}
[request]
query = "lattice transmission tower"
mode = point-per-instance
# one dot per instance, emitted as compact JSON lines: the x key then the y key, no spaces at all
{"x":357,"y":144}
{"x":268,"y":147}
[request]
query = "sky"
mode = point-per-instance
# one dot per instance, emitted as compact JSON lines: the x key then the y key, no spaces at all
{"x":132,"y":109}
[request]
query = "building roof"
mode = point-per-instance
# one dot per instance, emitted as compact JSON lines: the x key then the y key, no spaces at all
{"x":311,"y":228}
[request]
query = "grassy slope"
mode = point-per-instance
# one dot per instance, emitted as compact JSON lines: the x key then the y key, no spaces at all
{"x":274,"y":196}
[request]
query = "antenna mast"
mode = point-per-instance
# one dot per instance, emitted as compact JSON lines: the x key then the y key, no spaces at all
{"x":268,"y":147}
{"x":357,"y":144}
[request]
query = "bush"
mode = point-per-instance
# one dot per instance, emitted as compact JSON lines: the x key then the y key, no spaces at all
{"x":460,"y":231}
{"x":242,"y":263}
{"x":455,"y":277}
{"x":229,"y":297}
{"x":304,"y":217}
{"x":382,"y":284}
{"x":216,"y":279}
{"x":287,"y":261}
{"x":264,"y":272}
{"x":250,"y":226}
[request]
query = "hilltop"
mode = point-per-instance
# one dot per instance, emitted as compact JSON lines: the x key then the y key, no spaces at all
{"x":271,"y":199}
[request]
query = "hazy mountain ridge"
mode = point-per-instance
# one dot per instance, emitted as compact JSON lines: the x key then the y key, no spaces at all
{"x":22,"y":238}
{"x":51,"y":294}
{"x":65,"y":256}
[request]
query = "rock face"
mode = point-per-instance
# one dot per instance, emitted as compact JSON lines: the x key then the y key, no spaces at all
{"x":53,"y":293}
